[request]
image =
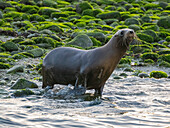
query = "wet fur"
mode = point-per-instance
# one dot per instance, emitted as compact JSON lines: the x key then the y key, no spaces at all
{"x":90,"y":68}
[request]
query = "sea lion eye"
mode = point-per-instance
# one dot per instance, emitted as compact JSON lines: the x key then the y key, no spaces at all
{"x":121,"y":33}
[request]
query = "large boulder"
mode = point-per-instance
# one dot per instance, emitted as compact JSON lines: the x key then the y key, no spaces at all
{"x":81,"y":40}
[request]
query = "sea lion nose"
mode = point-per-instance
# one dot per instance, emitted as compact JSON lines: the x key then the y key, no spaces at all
{"x":131,"y":32}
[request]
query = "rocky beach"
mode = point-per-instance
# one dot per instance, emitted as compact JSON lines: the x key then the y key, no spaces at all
{"x":136,"y":95}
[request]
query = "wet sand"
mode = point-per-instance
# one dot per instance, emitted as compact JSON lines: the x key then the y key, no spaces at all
{"x":130,"y":102}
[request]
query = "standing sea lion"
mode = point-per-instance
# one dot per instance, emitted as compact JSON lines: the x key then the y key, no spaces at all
{"x":89,"y":68}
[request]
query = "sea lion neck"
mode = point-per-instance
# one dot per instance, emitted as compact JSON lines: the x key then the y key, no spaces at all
{"x":114,"y":46}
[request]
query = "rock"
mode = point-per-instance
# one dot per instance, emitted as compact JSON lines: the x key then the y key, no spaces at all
{"x":161,"y":41}
{"x":83,"y":6}
{"x":47,"y":11}
{"x":82,"y":40}
{"x":23,"y":92}
{"x":1,"y":15}
{"x":143,"y":75}
{"x":150,"y":55}
{"x":10,"y":46}
{"x":146,"y":19}
{"x":164,"y":64}
{"x":38,"y":52}
{"x":128,"y":69}
{"x":45,"y":40}
{"x":98,"y":35}
{"x":166,"y":57}
{"x":145,"y":37}
{"x":4,"y":65}
{"x":117,"y":77}
{"x":123,"y":74}
{"x":151,"y":33}
{"x":23,"y":83}
{"x":164,"y":22}
{"x":109,"y":15}
{"x":131,"y":21}
{"x":158,"y":74}
{"x":125,"y":61}
{"x":3,"y":5}
{"x":16,"y":68}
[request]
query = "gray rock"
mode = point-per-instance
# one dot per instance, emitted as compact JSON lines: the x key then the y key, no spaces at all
{"x":16,"y":68}
{"x":1,"y":15}
{"x":23,"y":84}
{"x":143,"y":75}
{"x":81,"y":40}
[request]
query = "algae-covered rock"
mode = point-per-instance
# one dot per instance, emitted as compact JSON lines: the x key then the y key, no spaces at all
{"x":23,"y":84}
{"x":125,"y":61}
{"x":158,"y":74}
{"x":51,"y":26}
{"x":16,"y":68}
{"x":151,"y":6}
{"x":95,"y":41}
{"x":134,"y":27}
{"x":168,"y":38}
{"x":59,"y":14}
{"x":149,"y":61}
{"x":4,"y":65}
{"x":98,"y":35}
{"x":10,"y":46}
{"x":29,"y":9}
{"x":83,"y":6}
{"x":128,"y":69}
{"x":146,"y":19}
{"x":38,"y":52}
{"x":81,"y":40}
{"x":164,"y":22}
{"x":37,"y":17}
{"x":88,"y":12}
{"x":164,"y":51}
{"x":140,"y":48}
{"x":47,"y":11}
{"x":3,"y":5}
{"x":153,"y":56}
{"x":151,"y":33}
{"x":145,"y":37}
{"x":164,"y":64}
{"x":27,"y":42}
{"x":49,"y":3}
{"x":131,"y":21}
{"x":165,"y":57}
{"x":44,"y":40}
{"x":109,"y":15}
{"x":23,"y":92}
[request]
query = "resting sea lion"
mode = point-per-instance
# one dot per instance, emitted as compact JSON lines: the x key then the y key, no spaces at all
{"x":89,"y":68}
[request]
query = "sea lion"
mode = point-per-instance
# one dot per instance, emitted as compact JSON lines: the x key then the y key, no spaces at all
{"x":89,"y":68}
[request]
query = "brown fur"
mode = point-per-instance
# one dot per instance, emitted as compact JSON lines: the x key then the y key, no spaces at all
{"x":90,"y":68}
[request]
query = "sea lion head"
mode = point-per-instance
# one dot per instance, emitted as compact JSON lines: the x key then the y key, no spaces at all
{"x":125,"y":37}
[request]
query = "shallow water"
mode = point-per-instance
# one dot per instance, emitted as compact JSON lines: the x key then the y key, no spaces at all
{"x":131,"y":102}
